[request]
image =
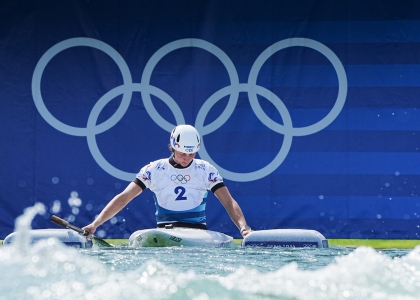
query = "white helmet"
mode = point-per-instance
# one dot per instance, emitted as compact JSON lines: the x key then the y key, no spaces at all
{"x":185,"y":139}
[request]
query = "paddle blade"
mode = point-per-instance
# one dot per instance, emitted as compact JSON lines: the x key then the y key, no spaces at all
{"x":100,"y":242}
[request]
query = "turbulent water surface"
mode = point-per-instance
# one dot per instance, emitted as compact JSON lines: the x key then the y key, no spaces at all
{"x":50,"y":270}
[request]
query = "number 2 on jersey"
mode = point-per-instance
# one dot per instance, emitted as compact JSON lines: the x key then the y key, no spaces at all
{"x":180,"y":191}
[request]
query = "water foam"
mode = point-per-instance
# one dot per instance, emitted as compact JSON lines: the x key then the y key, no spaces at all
{"x":50,"y":270}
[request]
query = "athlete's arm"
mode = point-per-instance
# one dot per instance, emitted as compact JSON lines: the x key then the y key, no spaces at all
{"x":233,"y":209}
{"x":114,"y":206}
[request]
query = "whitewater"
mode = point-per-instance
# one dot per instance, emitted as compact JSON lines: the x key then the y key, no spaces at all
{"x":50,"y":270}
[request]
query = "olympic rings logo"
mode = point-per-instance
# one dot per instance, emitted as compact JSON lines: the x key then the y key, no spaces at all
{"x":233,"y":90}
{"x":183,"y":179}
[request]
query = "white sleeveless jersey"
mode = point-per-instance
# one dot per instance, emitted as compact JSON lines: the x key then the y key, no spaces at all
{"x":180,"y":193}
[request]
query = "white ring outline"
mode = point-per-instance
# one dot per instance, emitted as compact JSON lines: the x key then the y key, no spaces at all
{"x":233,"y":90}
{"x":39,"y":70}
{"x":338,"y":67}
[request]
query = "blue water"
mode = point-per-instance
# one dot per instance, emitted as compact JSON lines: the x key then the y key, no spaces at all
{"x":50,"y":270}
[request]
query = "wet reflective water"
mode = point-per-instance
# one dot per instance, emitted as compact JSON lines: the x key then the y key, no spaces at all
{"x":50,"y":270}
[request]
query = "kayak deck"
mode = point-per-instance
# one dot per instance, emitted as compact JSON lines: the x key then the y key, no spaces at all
{"x":172,"y":237}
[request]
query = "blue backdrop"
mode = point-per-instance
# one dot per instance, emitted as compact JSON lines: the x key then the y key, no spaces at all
{"x":309,"y":109}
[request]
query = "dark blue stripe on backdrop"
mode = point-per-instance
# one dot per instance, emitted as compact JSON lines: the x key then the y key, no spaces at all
{"x":333,"y":207}
{"x":246,"y":11}
{"x":402,"y":31}
{"x":314,"y":185}
{"x":369,"y":143}
{"x":360,"y":141}
{"x":326,"y":163}
{"x":374,"y":53}
{"x":283,"y":75}
{"x":362,"y":119}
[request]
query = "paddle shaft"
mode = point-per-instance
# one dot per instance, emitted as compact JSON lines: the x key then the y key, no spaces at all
{"x":66,"y":224}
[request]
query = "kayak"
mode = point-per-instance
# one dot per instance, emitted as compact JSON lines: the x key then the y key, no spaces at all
{"x":66,"y":236}
{"x":170,"y":237}
{"x":286,"y":238}
{"x":178,"y":236}
{"x":185,"y":237}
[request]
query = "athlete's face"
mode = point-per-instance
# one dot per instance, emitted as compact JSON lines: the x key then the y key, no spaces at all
{"x":183,"y":159}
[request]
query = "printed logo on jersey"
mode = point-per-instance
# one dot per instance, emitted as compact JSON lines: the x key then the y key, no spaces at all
{"x":183,"y":179}
{"x":201,"y":166}
{"x":146,"y":176}
{"x":214,"y":177}
{"x":160,"y":166}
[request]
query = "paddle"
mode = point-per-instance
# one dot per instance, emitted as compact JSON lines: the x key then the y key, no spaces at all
{"x":65,"y":224}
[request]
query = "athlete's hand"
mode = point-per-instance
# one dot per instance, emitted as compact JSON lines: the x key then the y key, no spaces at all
{"x":90,"y":229}
{"x":245,"y":230}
